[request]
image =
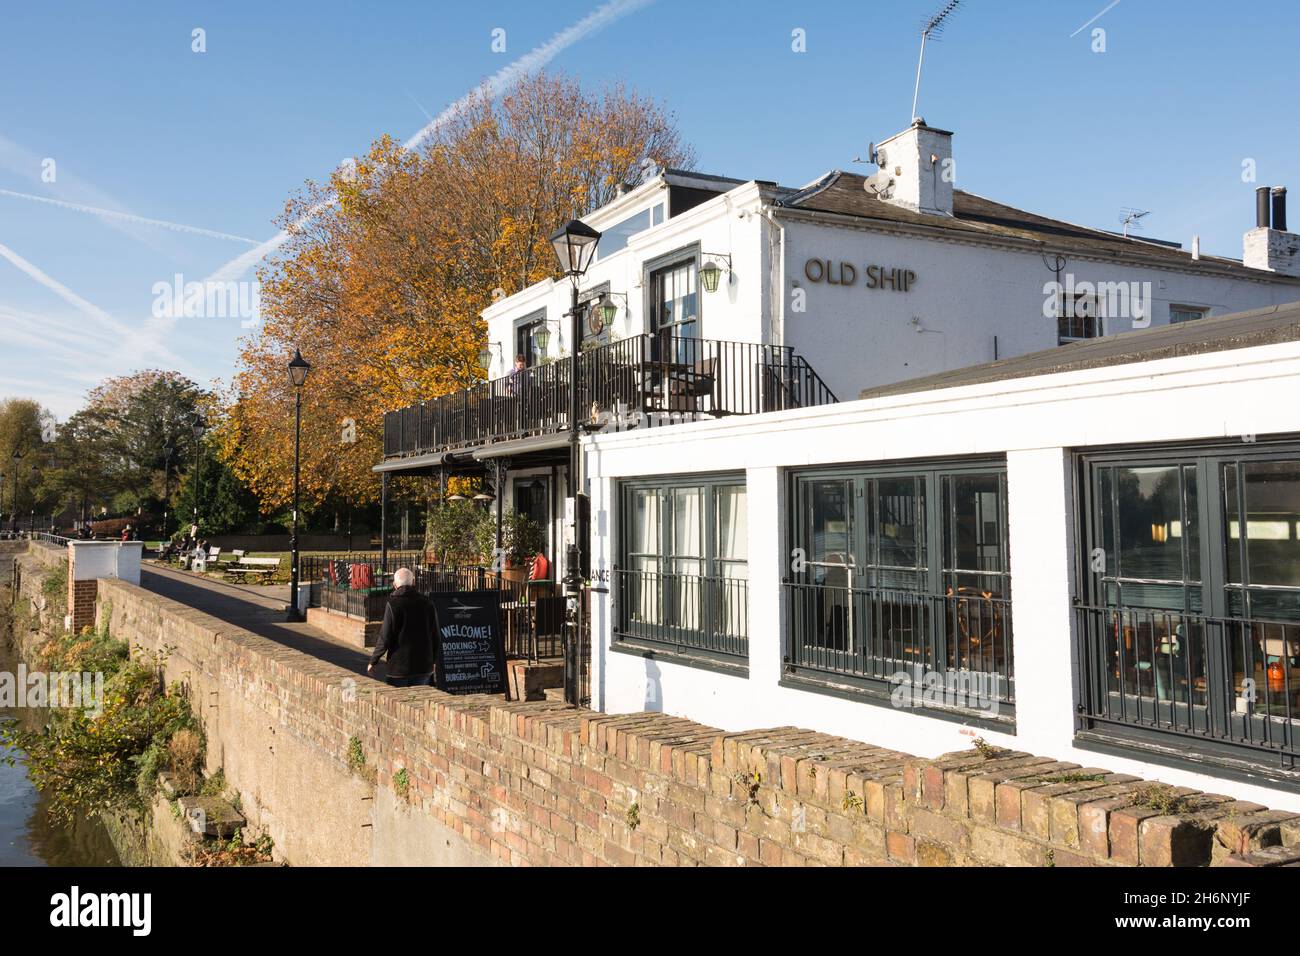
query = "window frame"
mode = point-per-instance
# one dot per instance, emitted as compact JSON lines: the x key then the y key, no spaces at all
{"x":533,"y":320}
{"x":643,"y":637}
{"x":1217,"y":716}
{"x":934,"y":568}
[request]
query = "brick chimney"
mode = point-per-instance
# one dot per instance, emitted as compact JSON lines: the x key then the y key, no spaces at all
{"x":916,"y":170}
{"x":1269,"y":246}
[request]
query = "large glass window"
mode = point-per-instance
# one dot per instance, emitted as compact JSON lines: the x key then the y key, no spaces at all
{"x":683,"y":573}
{"x":1191,"y":624}
{"x":898,"y":569}
{"x":674,"y":308}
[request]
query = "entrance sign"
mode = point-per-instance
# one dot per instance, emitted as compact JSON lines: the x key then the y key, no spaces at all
{"x":468,"y":643}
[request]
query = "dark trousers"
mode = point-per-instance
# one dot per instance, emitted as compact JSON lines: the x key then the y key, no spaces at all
{"x":415,"y":680}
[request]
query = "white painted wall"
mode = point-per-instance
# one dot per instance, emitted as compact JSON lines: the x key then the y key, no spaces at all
{"x":963,"y":296}
{"x":965,"y":293}
{"x":1036,"y":423}
{"x":106,"y":559}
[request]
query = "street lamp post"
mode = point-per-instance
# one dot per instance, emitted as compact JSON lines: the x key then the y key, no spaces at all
{"x":575,"y":246}
{"x":197,"y":429}
{"x":18,"y":457}
{"x":167,"y":487}
{"x":298,"y":369}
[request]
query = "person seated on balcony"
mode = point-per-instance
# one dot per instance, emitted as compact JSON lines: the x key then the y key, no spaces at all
{"x":516,"y":376}
{"x":406,"y":636}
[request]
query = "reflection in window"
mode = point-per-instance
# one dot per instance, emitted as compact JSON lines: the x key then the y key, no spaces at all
{"x":682,"y":579}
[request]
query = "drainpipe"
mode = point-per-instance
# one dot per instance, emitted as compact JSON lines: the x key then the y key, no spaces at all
{"x":776,"y":274}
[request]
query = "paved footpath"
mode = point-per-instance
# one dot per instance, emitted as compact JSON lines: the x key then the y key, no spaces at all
{"x":257,"y":609}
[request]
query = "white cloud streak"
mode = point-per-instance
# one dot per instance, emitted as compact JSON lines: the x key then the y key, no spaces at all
{"x":129,"y":338}
{"x":493,"y":86}
{"x":128,"y":217}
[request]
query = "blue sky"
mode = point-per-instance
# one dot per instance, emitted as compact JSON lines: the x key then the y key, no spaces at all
{"x":137,"y":122}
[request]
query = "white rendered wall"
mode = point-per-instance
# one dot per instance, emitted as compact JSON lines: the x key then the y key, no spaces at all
{"x":1036,"y":423}
{"x":966,"y":293}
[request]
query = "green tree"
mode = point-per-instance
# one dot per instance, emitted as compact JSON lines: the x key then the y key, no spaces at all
{"x":226,"y":505}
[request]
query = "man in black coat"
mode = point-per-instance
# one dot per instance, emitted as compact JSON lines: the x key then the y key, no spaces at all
{"x":406,"y":636}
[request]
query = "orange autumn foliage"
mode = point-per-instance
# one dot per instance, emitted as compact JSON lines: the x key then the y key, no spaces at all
{"x":389,"y":264}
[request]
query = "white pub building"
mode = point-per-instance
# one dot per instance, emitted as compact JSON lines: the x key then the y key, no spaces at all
{"x":886,"y":459}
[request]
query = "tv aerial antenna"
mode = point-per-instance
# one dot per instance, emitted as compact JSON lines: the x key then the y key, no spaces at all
{"x":931,"y":29}
{"x":1132,"y":219}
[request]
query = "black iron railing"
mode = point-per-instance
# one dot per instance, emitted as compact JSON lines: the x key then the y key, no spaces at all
{"x":896,"y":636}
{"x":642,"y":381}
{"x":532,"y":623}
{"x":688,"y":613}
{"x":1226,"y":681}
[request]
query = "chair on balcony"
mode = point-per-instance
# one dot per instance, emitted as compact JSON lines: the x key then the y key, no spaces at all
{"x":689,"y":386}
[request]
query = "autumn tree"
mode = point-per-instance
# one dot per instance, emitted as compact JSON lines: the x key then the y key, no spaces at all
{"x":389,"y":264}
{"x":27,"y":430}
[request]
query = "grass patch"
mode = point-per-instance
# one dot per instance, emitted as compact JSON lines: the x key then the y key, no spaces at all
{"x":1161,"y":798}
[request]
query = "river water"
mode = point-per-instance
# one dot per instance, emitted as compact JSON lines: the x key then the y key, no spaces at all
{"x":27,"y":837}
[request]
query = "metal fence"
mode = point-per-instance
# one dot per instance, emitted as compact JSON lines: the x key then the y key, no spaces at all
{"x":689,"y":613}
{"x":645,"y":379}
{"x":1225,"y":680}
{"x":533,"y":626}
{"x":876,"y":634}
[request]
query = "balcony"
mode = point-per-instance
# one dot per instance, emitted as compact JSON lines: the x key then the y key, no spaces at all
{"x":646,"y":380}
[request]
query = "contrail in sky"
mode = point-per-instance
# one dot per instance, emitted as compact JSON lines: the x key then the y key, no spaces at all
{"x":128,"y":217}
{"x":130,"y":336}
{"x":533,"y":60}
{"x":1095,"y":19}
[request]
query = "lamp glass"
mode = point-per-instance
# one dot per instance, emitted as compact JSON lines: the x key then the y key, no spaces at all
{"x":541,"y":338}
{"x":485,"y":357}
{"x":709,"y":276}
{"x":608,"y":310}
{"x":575,"y":246}
{"x":298,"y":369}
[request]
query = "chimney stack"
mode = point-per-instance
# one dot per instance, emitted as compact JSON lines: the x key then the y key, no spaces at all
{"x":1262,"y":220}
{"x":1269,"y":247}
{"x":916,"y":170}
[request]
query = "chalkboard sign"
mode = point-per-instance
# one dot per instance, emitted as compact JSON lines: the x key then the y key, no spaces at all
{"x":471,"y":653}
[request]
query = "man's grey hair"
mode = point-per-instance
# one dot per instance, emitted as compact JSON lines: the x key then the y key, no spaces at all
{"x":403,"y":577}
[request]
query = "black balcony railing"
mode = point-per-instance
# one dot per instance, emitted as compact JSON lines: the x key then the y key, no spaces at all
{"x":641,"y":381}
{"x":1228,"y":682}
{"x":686,"y":613}
{"x":883,"y":636}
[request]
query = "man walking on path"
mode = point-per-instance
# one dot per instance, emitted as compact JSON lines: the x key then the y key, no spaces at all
{"x":406,"y":636}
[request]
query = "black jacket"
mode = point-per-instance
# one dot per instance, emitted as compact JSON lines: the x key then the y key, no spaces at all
{"x":406,"y":636}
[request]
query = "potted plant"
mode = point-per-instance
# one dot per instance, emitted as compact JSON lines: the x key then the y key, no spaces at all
{"x":453,"y":528}
{"x":521,"y":539}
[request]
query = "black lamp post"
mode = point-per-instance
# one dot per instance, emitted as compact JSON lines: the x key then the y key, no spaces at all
{"x":18,"y":457}
{"x":167,"y":487}
{"x":575,"y":246}
{"x":298,"y":369}
{"x":197,"y":429}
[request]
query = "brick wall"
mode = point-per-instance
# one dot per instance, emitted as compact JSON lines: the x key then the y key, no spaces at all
{"x":543,"y":784}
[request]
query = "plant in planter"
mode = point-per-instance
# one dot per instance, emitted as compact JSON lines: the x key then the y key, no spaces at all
{"x":453,"y":528}
{"x":521,"y":538}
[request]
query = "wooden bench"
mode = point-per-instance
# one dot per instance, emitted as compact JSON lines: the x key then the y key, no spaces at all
{"x":256,"y":567}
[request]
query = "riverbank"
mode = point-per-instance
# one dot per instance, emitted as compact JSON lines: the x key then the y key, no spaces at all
{"x":28,"y":834}
{"x":121,"y":767}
